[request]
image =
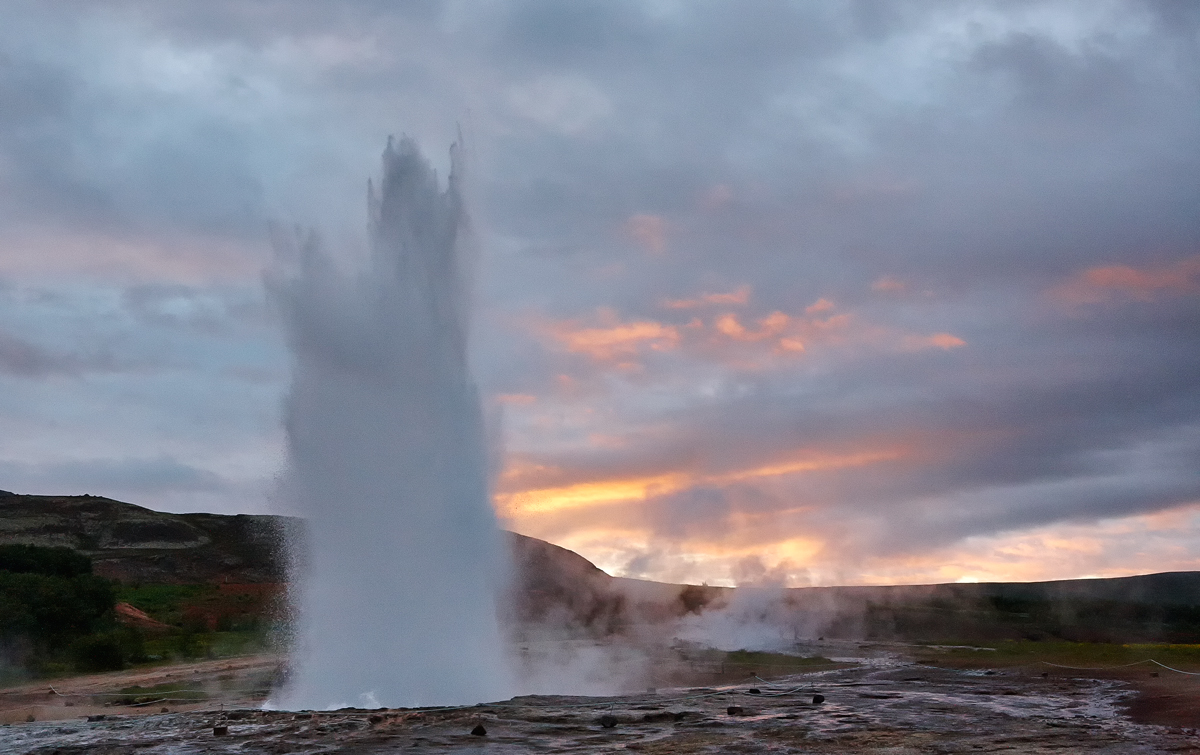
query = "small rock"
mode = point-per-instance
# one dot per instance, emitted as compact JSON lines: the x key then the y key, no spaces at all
{"x":754,"y":691}
{"x":735,"y":710}
{"x":608,"y":721}
{"x":96,"y":718}
{"x":818,"y":699}
{"x":374,"y":718}
{"x":1154,"y":674}
{"x":30,"y":718}
{"x":165,"y":710}
{"x":220,"y":731}
{"x":479,"y":731}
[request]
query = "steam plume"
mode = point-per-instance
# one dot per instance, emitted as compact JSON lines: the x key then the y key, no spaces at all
{"x":387,"y":461}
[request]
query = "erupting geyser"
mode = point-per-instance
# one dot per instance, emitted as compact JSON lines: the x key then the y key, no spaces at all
{"x":397,"y":595}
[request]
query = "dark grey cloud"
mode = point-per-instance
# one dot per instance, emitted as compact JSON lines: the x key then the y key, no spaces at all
{"x":97,"y":476}
{"x":24,"y":359}
{"x":978,"y":155}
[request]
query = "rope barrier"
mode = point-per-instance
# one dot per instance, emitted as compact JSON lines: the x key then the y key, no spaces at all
{"x":725,"y":690}
{"x":1177,"y":671}
{"x":781,"y":693}
{"x":1121,"y":665}
{"x":1096,"y":668}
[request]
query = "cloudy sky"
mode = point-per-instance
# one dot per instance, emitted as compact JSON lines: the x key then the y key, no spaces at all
{"x":813,"y":292}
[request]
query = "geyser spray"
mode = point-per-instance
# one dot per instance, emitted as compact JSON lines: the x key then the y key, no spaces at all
{"x":396,"y":598}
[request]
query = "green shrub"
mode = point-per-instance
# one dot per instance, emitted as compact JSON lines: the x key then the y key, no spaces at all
{"x":98,"y":652}
{"x":50,"y":603}
{"x":51,"y":562}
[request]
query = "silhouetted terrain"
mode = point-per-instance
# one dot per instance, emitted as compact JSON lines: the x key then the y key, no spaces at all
{"x":134,"y":544}
{"x":554,"y":587}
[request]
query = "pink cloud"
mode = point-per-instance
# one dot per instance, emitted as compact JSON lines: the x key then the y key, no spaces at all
{"x":888,"y":284}
{"x":820,"y":305}
{"x":735,"y":340}
{"x":189,"y":260}
{"x":613,"y":338}
{"x":739,"y":296}
{"x":944,"y":341}
{"x":649,"y":231}
{"x":1107,"y":283}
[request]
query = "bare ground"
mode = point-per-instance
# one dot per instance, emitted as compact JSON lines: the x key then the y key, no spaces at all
{"x":881,"y":705}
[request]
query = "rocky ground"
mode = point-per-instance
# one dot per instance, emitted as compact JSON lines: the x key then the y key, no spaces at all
{"x":882,"y":703}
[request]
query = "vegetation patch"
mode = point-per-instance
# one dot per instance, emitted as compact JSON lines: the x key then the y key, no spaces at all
{"x":755,"y":658}
{"x":1089,"y":655}
{"x":178,"y":692}
{"x":56,"y":616}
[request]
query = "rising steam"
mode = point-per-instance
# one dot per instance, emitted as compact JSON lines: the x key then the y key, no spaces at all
{"x":396,"y":603}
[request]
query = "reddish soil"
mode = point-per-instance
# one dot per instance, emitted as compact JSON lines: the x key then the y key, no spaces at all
{"x":1167,"y":700}
{"x":133,"y":617}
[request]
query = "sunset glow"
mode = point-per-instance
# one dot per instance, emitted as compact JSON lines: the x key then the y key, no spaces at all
{"x":788,"y":293}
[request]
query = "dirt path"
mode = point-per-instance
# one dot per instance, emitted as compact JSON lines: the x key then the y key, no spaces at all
{"x":229,"y":682}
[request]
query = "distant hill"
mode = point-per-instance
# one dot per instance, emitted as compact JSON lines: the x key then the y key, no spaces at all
{"x":136,"y":545}
{"x":555,"y":586}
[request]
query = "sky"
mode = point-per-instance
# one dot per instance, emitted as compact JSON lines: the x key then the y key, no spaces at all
{"x":799,"y":293}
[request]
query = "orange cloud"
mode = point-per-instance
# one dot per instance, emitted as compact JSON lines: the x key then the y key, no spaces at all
{"x":588,"y":494}
{"x":1124,"y":282}
{"x":515,"y":398}
{"x":739,"y":296}
{"x":1142,"y":543}
{"x":650,"y":231}
{"x":178,"y":259}
{"x":944,"y":341}
{"x":888,"y":283}
{"x":520,"y":495}
{"x":1108,"y":548}
{"x":619,"y":339}
{"x":733,"y":339}
{"x":820,"y":305}
{"x":768,"y":327}
{"x":811,"y":462}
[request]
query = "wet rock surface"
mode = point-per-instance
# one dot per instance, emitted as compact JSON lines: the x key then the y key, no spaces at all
{"x":897,"y":709}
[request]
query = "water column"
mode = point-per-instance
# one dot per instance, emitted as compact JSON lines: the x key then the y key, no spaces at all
{"x":396,"y":592}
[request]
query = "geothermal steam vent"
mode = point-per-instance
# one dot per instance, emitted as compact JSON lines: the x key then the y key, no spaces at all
{"x":387,"y":462}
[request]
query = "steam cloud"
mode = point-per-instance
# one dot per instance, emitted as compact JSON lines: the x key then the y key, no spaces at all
{"x":397,"y":589}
